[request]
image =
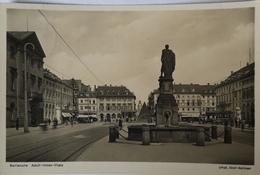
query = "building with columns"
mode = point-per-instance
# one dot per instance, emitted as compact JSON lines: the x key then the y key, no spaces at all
{"x":23,"y":60}
{"x":57,"y":98}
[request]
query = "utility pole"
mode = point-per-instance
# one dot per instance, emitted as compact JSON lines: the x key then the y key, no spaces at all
{"x":26,"y":129}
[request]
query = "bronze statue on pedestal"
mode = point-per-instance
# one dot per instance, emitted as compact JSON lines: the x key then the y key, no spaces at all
{"x":168,"y":62}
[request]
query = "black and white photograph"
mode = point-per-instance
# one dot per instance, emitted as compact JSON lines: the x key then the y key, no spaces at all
{"x":138,"y":89}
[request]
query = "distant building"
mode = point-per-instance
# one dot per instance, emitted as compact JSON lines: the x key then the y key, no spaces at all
{"x":236,"y":97}
{"x":17,"y":43}
{"x":87,"y":105}
{"x":78,"y":87}
{"x":57,"y":98}
{"x":114,"y":102}
{"x":138,"y":108}
{"x":194,"y":101}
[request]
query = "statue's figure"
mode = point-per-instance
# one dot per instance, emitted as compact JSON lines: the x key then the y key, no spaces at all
{"x":168,"y":62}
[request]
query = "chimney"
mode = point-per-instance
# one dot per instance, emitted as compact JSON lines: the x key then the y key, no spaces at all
{"x":208,"y":84}
{"x":231,"y":72}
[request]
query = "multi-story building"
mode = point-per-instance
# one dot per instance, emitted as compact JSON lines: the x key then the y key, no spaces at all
{"x":57,"y":98}
{"x":24,"y":96}
{"x":194,"y":101}
{"x":87,"y":104}
{"x":114,"y":102}
{"x":78,"y":87}
{"x":235,"y":95}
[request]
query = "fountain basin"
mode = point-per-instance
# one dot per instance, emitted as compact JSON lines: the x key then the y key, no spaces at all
{"x":178,"y":133}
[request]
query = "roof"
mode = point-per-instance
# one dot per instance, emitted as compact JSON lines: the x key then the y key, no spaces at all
{"x":113,"y":91}
{"x":25,"y":37}
{"x":193,"y":89}
{"x":50,"y":75}
{"x":247,"y":71}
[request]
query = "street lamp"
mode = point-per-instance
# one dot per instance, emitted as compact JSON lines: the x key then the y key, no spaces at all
{"x":26,"y":130}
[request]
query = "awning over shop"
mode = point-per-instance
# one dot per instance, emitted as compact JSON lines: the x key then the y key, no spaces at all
{"x":65,"y":114}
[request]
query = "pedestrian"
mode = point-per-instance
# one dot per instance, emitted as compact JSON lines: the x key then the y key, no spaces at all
{"x":71,"y":122}
{"x":120,"y":124}
{"x":17,"y":123}
{"x":49,"y":121}
{"x":55,"y":123}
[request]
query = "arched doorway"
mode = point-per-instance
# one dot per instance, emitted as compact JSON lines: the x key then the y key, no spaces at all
{"x":108,"y":117}
{"x":113,"y":116}
{"x":101,"y":117}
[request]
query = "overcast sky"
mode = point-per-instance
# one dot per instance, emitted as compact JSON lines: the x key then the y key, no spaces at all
{"x":124,"y":47}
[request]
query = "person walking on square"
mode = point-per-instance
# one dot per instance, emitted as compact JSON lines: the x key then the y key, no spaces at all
{"x":71,"y":122}
{"x":120,"y":124}
{"x":49,"y":121}
{"x":17,"y":123}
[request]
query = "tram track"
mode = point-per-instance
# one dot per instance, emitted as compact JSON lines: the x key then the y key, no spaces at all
{"x":63,"y":148}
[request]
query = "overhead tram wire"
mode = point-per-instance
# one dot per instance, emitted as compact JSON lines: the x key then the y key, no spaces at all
{"x":56,"y":70}
{"x":70,"y":47}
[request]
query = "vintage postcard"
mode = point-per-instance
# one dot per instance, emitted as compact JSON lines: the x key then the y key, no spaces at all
{"x":149,"y":89}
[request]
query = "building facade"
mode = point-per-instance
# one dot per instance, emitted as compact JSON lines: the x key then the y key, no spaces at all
{"x":114,"y":102}
{"x":87,"y":105}
{"x":236,"y":97}
{"x":78,"y":87}
{"x":57,"y":98}
{"x":24,"y":57}
{"x":194,"y":101}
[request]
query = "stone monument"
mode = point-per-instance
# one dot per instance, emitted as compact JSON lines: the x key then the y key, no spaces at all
{"x":167,"y":128}
{"x":166,"y":108}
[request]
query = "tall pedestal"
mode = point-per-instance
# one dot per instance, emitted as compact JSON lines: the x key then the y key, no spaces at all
{"x":166,"y":108}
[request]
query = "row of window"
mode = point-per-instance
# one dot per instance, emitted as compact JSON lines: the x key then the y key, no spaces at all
{"x":56,"y":96}
{"x":237,"y":84}
{"x":246,"y":94}
{"x":197,"y":103}
{"x":113,"y":93}
{"x":116,"y":99}
{"x":91,"y":108}
{"x":88,"y":101}
{"x":52,"y":84}
{"x":32,"y":60}
{"x":203,"y":96}
{"x":108,"y":106}
{"x":193,"y":90}
{"x":193,"y":109}
{"x":31,"y":77}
